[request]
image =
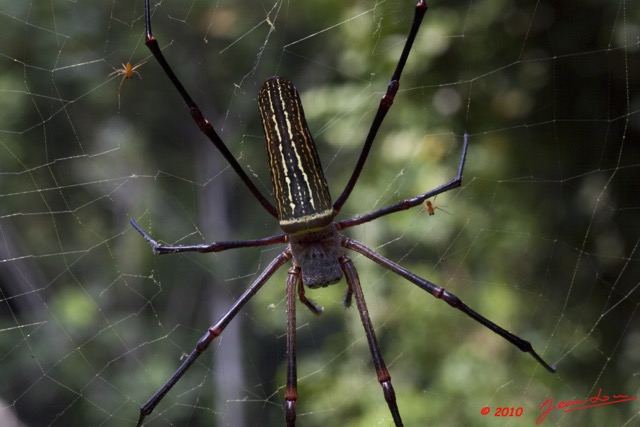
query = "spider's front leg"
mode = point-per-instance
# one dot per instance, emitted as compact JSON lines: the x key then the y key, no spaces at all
{"x":291,"y":393}
{"x":353,"y":281}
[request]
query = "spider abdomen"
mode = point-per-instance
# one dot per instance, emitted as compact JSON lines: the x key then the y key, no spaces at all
{"x":302,"y":195}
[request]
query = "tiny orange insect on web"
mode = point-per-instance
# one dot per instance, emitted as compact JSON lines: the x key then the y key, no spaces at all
{"x":430,"y":207}
{"x":127,"y":71}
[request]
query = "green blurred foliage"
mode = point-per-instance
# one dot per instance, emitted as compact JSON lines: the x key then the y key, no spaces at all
{"x":542,"y":237}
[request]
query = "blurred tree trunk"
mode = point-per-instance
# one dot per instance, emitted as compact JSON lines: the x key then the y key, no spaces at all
{"x":214,"y":218}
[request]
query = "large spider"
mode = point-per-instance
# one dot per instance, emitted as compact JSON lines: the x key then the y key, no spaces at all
{"x":306,"y":214}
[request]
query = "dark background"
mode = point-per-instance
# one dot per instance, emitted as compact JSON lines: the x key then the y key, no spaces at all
{"x":542,"y":238}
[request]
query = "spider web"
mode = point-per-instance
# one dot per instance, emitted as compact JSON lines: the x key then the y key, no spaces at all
{"x":542,"y":238}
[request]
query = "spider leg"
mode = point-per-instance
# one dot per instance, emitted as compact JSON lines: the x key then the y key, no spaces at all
{"x":384,"y":378}
{"x":385,"y":105}
{"x":410,"y":203}
{"x":311,"y":305}
{"x":124,"y":77}
{"x":213,"y":332}
{"x":211,"y":247}
{"x":447,"y":297}
{"x":138,"y":65}
{"x":116,"y":72}
{"x":294,"y":282}
{"x":291,"y":393}
{"x":205,"y":126}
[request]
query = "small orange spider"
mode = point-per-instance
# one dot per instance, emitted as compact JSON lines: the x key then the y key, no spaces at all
{"x":127,"y":71}
{"x":430,"y":208}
